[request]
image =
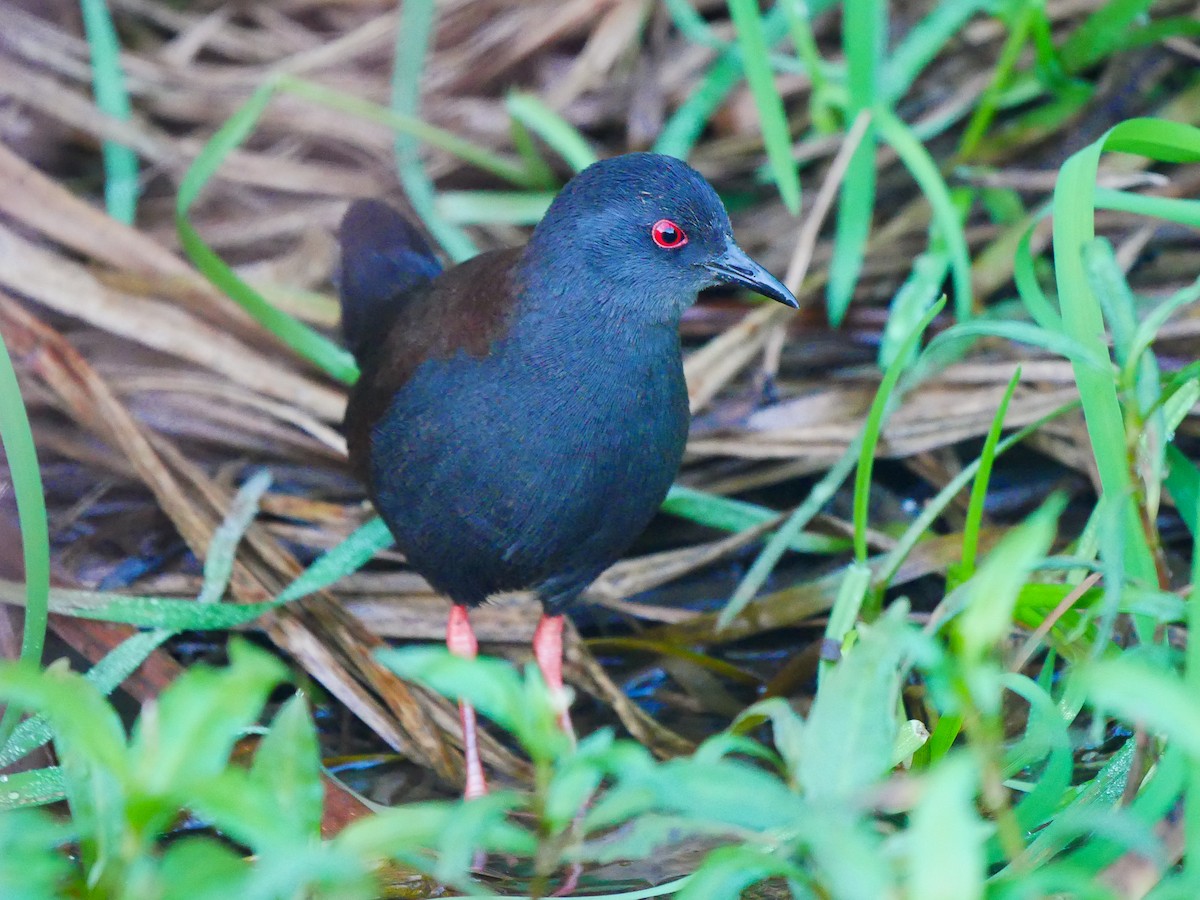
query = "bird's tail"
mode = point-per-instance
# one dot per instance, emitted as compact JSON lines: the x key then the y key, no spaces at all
{"x":384,"y":259}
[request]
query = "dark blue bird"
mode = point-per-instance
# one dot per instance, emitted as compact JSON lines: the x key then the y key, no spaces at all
{"x":520,"y":417}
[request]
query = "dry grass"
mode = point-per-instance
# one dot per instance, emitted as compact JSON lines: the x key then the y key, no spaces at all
{"x":152,"y":394}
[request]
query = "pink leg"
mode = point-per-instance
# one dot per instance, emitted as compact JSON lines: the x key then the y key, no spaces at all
{"x":460,"y":640}
{"x":547,"y":650}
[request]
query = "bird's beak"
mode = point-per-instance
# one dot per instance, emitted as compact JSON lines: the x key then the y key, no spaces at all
{"x":734,"y":266}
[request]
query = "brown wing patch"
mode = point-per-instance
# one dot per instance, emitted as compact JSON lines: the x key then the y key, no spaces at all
{"x":467,"y":308}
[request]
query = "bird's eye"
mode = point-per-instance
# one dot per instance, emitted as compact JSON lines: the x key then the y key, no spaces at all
{"x":668,"y":235}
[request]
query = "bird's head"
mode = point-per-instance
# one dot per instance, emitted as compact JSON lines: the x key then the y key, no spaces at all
{"x":651,"y":226}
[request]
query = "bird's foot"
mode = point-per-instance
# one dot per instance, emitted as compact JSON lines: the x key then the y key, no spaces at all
{"x":548,"y":651}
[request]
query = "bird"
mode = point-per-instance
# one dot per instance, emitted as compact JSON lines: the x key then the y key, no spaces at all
{"x":519,"y":417}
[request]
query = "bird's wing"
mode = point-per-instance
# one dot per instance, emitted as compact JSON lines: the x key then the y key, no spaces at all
{"x":385,"y":259}
{"x":461,"y":311}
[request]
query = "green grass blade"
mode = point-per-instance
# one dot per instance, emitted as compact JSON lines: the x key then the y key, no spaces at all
{"x":21,"y":455}
{"x":1082,"y":318}
{"x":563,"y":137}
{"x":37,"y":787}
{"x":1102,"y":33}
{"x":348,"y":556}
{"x":728,"y":514}
{"x":691,"y":25}
{"x":800,"y":27}
{"x":120,"y":663}
{"x":921,"y":287}
{"x":991,"y":596}
{"x":945,"y":213}
{"x":880,"y":407}
{"x":979,"y":486}
{"x":325,"y":354}
{"x":844,"y":614}
{"x":117,"y":665}
{"x":945,"y":344}
{"x":1172,"y":209}
{"x":1046,"y":729}
{"x":413,"y":35}
{"x":503,"y":167}
{"x":684,"y":127}
{"x":856,"y":205}
{"x":1192,"y":680}
{"x":1147,"y":330}
{"x":863,"y":39}
{"x":772,"y":116}
{"x":782,"y":539}
{"x":1010,"y":54}
{"x":188,"y":615}
{"x":934,"y":507}
{"x":494,"y":207}
{"x":222,"y":549}
{"x":923,"y":42}
{"x":541,"y":176}
{"x":308,"y":343}
{"x":1037,"y":304}
{"x":108,"y":84}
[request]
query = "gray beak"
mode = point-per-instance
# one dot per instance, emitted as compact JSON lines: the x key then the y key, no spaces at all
{"x":734,"y":266}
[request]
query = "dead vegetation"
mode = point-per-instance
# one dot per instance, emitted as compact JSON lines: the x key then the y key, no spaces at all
{"x":152,"y":394}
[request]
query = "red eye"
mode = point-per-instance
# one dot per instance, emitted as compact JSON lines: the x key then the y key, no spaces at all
{"x":668,"y":235}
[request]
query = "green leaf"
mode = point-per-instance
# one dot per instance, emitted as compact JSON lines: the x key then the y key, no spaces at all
{"x":849,"y":735}
{"x":288,"y":765}
{"x":849,"y":856}
{"x":222,"y":549}
{"x":910,"y":738}
{"x":347,"y":557}
{"x":979,"y":486}
{"x":1152,"y":697}
{"x":728,"y":871}
{"x":992,"y":592}
{"x":576,"y":778}
{"x":402,"y":832}
{"x":681,"y":131}
{"x":844,"y":612}
{"x":924,"y":41}
{"x":200,"y":868}
{"x":881,"y":407}
{"x":1104,"y":32}
{"x":1074,"y":228}
{"x":725,"y":792}
{"x":864,"y":43}
{"x":85,"y":726}
{"x":786,"y":725}
{"x":306,"y":342}
{"x":945,"y":837}
{"x":242,"y":807}
{"x":32,"y":863}
{"x":920,"y":289}
{"x":188,"y":733}
{"x":492,"y":686}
